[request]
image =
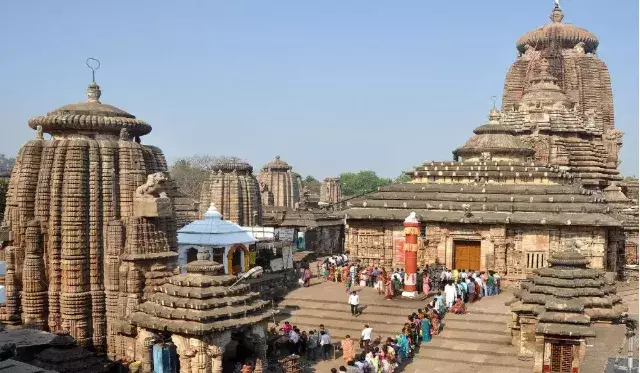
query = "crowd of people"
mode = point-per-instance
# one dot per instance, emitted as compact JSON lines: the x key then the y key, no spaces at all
{"x":390,"y":283}
{"x":384,"y":356}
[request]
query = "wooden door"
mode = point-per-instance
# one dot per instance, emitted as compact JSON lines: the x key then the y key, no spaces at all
{"x":467,"y":255}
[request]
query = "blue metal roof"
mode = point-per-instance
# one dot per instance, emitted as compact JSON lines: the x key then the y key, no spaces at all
{"x":213,"y":231}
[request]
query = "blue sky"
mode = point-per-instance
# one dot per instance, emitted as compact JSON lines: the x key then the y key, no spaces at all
{"x":330,"y":86}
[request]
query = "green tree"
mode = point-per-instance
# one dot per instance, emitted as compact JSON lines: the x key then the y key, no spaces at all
{"x":365,"y":181}
{"x":190,"y":173}
{"x":312,"y":184}
{"x":402,"y":178}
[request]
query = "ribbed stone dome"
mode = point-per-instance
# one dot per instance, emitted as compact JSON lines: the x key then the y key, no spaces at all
{"x":566,"y":34}
{"x":277,"y":164}
{"x":91,"y":117}
{"x":495,"y":139}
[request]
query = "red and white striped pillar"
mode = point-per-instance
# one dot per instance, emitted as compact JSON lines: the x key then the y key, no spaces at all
{"x":411,"y":233}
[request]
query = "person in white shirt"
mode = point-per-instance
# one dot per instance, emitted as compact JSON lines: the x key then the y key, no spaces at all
{"x":354,"y":301}
{"x":449,"y":294}
{"x":294,"y":339}
{"x":325,"y":343}
{"x":366,"y":335}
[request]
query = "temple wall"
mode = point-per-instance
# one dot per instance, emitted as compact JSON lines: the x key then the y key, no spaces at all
{"x":514,"y":251}
{"x":325,"y":240}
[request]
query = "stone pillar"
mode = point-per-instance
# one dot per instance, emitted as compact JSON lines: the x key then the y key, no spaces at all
{"x":185,"y":357}
{"x":527,"y":336}
{"x":216,"y":358}
{"x":411,"y":233}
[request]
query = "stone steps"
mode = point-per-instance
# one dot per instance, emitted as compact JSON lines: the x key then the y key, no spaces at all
{"x":478,"y":338}
{"x":487,"y":360}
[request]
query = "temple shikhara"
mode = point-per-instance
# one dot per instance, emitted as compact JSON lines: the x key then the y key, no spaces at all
{"x":539,"y":177}
{"x":109,"y":265}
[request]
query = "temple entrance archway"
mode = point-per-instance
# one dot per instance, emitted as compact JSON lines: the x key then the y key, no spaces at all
{"x":237,"y":259}
{"x":466,"y":255}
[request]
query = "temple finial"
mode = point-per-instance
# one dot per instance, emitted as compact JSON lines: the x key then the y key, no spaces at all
{"x":93,"y":92}
{"x":96,"y":66}
{"x":556,"y":15}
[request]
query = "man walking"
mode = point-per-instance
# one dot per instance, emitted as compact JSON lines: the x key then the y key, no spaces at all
{"x":354,"y":301}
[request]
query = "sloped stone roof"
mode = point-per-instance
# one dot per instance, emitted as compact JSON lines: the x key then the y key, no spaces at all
{"x":483,"y":203}
{"x":568,"y":296}
{"x":201,"y":302}
{"x":494,"y":138}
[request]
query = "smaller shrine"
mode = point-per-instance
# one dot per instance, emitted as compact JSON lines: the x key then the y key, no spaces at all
{"x":554,"y":310}
{"x":226,"y":242}
{"x":209,"y":318}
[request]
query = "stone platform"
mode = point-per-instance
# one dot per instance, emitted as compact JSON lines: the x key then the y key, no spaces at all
{"x":479,"y":337}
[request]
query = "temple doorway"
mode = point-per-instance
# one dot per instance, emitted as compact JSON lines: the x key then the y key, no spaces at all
{"x":467,"y":255}
{"x":237,"y":259}
{"x":240,"y":351}
{"x":236,"y":262}
{"x":192,"y":254}
{"x":165,"y":355}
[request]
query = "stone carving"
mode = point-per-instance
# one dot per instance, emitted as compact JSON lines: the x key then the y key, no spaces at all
{"x":155,"y":187}
{"x":124,"y":135}
{"x":590,"y":117}
{"x":39,"y":135}
{"x":579,"y":48}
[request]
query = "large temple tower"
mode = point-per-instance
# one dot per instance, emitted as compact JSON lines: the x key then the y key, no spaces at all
{"x":573,"y":68}
{"x":89,"y":210}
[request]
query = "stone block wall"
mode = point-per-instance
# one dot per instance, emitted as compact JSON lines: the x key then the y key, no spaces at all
{"x":513,"y":251}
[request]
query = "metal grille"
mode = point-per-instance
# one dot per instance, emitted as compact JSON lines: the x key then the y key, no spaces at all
{"x":561,"y":358}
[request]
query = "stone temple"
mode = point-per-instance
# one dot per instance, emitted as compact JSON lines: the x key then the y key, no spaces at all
{"x":527,"y":184}
{"x":279,"y":186}
{"x":76,"y":202}
{"x":89,"y":240}
{"x":234,"y":190}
